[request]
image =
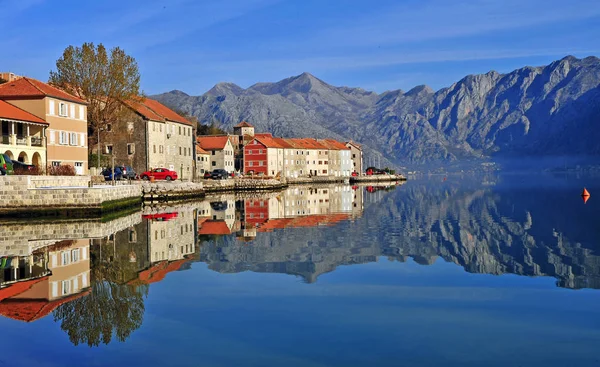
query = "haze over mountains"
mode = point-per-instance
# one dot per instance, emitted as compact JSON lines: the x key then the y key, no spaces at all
{"x":533,"y":111}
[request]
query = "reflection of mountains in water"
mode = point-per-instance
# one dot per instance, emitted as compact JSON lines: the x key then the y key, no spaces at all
{"x":482,"y":231}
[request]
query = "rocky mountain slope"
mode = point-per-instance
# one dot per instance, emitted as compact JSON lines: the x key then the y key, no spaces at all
{"x":534,"y":111}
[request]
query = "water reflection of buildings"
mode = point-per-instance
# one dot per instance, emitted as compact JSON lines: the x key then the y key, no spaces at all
{"x":44,"y":280}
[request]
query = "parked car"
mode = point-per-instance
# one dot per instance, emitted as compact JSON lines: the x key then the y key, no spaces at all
{"x":354,"y":174}
{"x":207,"y":175}
{"x":159,"y":174}
{"x":6,"y":165}
{"x":23,"y":167}
{"x":219,"y":174}
{"x":128,"y":173}
{"x":108,"y":174}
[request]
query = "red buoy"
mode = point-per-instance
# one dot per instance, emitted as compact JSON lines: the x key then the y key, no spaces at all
{"x":585,"y":195}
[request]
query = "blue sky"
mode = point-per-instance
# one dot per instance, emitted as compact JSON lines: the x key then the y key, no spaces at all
{"x":377,"y":45}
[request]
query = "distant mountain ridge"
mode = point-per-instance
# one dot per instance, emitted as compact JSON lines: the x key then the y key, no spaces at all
{"x":532,"y":111}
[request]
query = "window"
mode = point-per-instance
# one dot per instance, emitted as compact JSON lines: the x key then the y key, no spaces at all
{"x":66,"y":287}
{"x":214,"y":163}
{"x":109,"y":149}
{"x":154,"y":148}
{"x":62,"y":138}
{"x":109,"y":127}
{"x":324,"y":171}
{"x":353,"y":156}
{"x":62,"y":109}
{"x":250,"y":164}
{"x":65,"y":257}
{"x":130,"y":127}
{"x":130,"y":148}
{"x":249,"y":151}
{"x":55,"y":163}
{"x":213,"y":152}
{"x":179,"y":150}
{"x":260,"y":151}
{"x":179,"y":130}
{"x":73,"y":140}
{"x":160,"y":128}
{"x":153,"y":126}
{"x":75,"y":255}
{"x":260,"y":163}
{"x":160,"y":149}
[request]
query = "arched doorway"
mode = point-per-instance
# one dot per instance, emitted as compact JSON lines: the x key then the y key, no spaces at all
{"x":36,"y":160}
{"x":10,"y":155}
{"x":23,"y":158}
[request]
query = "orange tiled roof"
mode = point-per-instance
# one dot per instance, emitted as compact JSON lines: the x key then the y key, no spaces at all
{"x":264,"y":135}
{"x":303,"y":221}
{"x":30,"y":88}
{"x":166,"y":112}
{"x":354,"y":143}
{"x":18,"y":288}
{"x":243,"y":124}
{"x":212,"y":142}
{"x":153,"y":110}
{"x":269,"y":142}
{"x":201,"y":151}
{"x":214,"y":227}
{"x":11,"y":112}
{"x":333,"y":144}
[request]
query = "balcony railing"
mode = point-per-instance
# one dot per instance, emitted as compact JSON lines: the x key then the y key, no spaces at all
{"x":6,"y":139}
{"x":21,"y":140}
{"x":36,"y":142}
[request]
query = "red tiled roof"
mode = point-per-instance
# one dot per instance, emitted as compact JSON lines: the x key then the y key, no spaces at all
{"x":269,"y":142}
{"x":214,"y":227}
{"x":333,"y":144}
{"x":264,"y":135}
{"x":166,"y":112}
{"x":201,"y":151}
{"x":243,"y":124}
{"x":212,"y":142}
{"x":139,"y":107}
{"x":30,"y":88}
{"x":11,"y":112}
{"x":154,"y":110}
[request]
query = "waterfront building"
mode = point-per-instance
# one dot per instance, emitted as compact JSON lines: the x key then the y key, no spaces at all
{"x":65,"y":136}
{"x":356,"y":154}
{"x":202,"y":162}
{"x":23,"y":135}
{"x":221,"y":151}
{"x":150,"y":135}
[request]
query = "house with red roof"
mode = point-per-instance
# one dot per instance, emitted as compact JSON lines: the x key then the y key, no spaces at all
{"x":356,"y":154}
{"x":221,"y":151}
{"x":61,"y":134}
{"x":265,"y":155}
{"x":150,"y":135}
{"x":340,"y":164}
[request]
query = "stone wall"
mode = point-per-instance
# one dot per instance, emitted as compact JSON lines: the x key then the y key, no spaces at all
{"x":24,"y":194}
{"x":22,"y":238}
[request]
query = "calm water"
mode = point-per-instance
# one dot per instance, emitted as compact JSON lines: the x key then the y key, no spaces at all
{"x":494,"y":271}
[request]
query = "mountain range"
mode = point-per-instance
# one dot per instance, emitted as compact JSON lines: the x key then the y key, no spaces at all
{"x":539,"y":111}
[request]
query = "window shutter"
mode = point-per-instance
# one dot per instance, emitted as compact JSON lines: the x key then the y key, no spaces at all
{"x":52,"y":136}
{"x":72,"y":115}
{"x":82,"y":137}
{"x":51,"y":107}
{"x":81,"y":113}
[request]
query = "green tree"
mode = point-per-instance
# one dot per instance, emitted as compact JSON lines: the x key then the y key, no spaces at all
{"x":2,"y":81}
{"x":100,"y":77}
{"x":110,"y":309}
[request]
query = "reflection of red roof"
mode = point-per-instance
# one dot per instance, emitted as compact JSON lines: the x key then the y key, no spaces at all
{"x":158,"y":272}
{"x":212,"y":142}
{"x":243,"y":124}
{"x":31,"y":88}
{"x":214,"y":227}
{"x":18,"y":288}
{"x":161,"y":217}
{"x":29,"y":310}
{"x":11,"y":112}
{"x":304,"y":221}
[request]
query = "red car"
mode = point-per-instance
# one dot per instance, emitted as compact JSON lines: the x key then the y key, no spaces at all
{"x":159,"y":174}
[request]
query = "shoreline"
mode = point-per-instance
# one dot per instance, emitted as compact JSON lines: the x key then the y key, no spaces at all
{"x":70,"y":197}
